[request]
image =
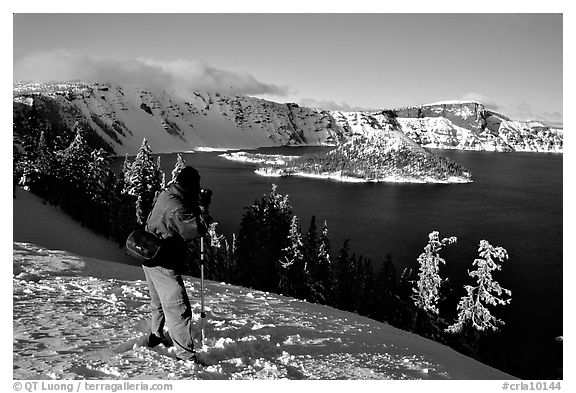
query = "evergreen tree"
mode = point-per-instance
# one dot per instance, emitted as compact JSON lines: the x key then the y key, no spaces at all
{"x":99,"y":177}
{"x":45,"y":160}
{"x":472,"y":310}
{"x":75,"y":159}
{"x":315,"y":291}
{"x":262,"y":237}
{"x":221,"y":259}
{"x":78,"y":188}
{"x":161,"y":175}
{"x":17,"y":167}
{"x":344,"y":270}
{"x":365,"y":291}
{"x":144,"y":182}
{"x":124,"y":208}
{"x":389,"y":276}
{"x":324,"y":259}
{"x":38,"y":167}
{"x":311,"y":244}
{"x":180,"y":164}
{"x":143,"y":208}
{"x":405,"y":286}
{"x":124,"y":178}
{"x":293,"y":267}
{"x":426,"y":294}
{"x":386,"y":290}
{"x":101,"y":191}
{"x":321,"y":272}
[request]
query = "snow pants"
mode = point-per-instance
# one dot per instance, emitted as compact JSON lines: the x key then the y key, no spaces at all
{"x":169,"y":305}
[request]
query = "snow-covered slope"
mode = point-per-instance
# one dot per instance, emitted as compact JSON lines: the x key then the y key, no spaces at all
{"x":122,"y":116}
{"x":469,"y":126}
{"x":79,"y":317}
{"x":46,"y":226}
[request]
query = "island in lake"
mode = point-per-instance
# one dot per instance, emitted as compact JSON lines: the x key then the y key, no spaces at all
{"x":386,"y":155}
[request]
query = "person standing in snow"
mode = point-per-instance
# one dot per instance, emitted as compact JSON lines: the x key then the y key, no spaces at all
{"x":179,"y":217}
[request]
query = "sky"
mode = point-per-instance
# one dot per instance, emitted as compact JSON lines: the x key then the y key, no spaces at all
{"x":513,"y":63}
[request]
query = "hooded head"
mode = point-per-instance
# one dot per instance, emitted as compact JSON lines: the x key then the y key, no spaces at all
{"x":188,"y":181}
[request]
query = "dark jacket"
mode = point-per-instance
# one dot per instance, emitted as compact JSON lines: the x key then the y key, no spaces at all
{"x":176,"y":218}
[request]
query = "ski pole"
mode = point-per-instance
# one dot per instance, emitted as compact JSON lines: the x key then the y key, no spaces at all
{"x":202,"y":313}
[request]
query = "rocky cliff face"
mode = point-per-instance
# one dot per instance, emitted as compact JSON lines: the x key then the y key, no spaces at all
{"x":118,"y":118}
{"x":469,"y":126}
{"x":123,"y":116}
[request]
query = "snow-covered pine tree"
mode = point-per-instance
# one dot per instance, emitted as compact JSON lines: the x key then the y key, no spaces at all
{"x":324,"y":250}
{"x":99,"y":178}
{"x":323,"y":274}
{"x":37,"y":168}
{"x":180,"y":164}
{"x":161,"y":174}
{"x":314,"y":290}
{"x":124,"y":179}
{"x":124,"y":205}
{"x":144,"y":181}
{"x":405,"y":284}
{"x":74,"y":161}
{"x":427,"y":292}
{"x":472,"y":308}
{"x":45,"y":160}
{"x":38,"y":160}
{"x":293,"y":267}
{"x":102,"y":192}
{"x":220,"y":256}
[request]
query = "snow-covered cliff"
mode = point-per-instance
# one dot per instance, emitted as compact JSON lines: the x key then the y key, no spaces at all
{"x":121,"y":116}
{"x":469,"y":126}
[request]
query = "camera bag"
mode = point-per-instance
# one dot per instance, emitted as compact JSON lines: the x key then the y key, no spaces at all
{"x":144,"y":246}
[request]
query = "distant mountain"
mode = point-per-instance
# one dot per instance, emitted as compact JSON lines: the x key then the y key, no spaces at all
{"x":117,"y":118}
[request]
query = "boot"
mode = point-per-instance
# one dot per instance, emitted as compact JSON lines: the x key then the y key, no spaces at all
{"x":154,"y":340}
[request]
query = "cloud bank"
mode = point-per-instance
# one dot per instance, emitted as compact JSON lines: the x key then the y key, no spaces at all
{"x":525,"y":111}
{"x":332,"y":105}
{"x":518,"y":111}
{"x":183,"y":76}
{"x":489,"y":103}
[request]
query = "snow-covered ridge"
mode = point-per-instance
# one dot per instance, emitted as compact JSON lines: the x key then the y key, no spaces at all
{"x":122,"y":116}
{"x":467,"y":125}
{"x":84,"y":318}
